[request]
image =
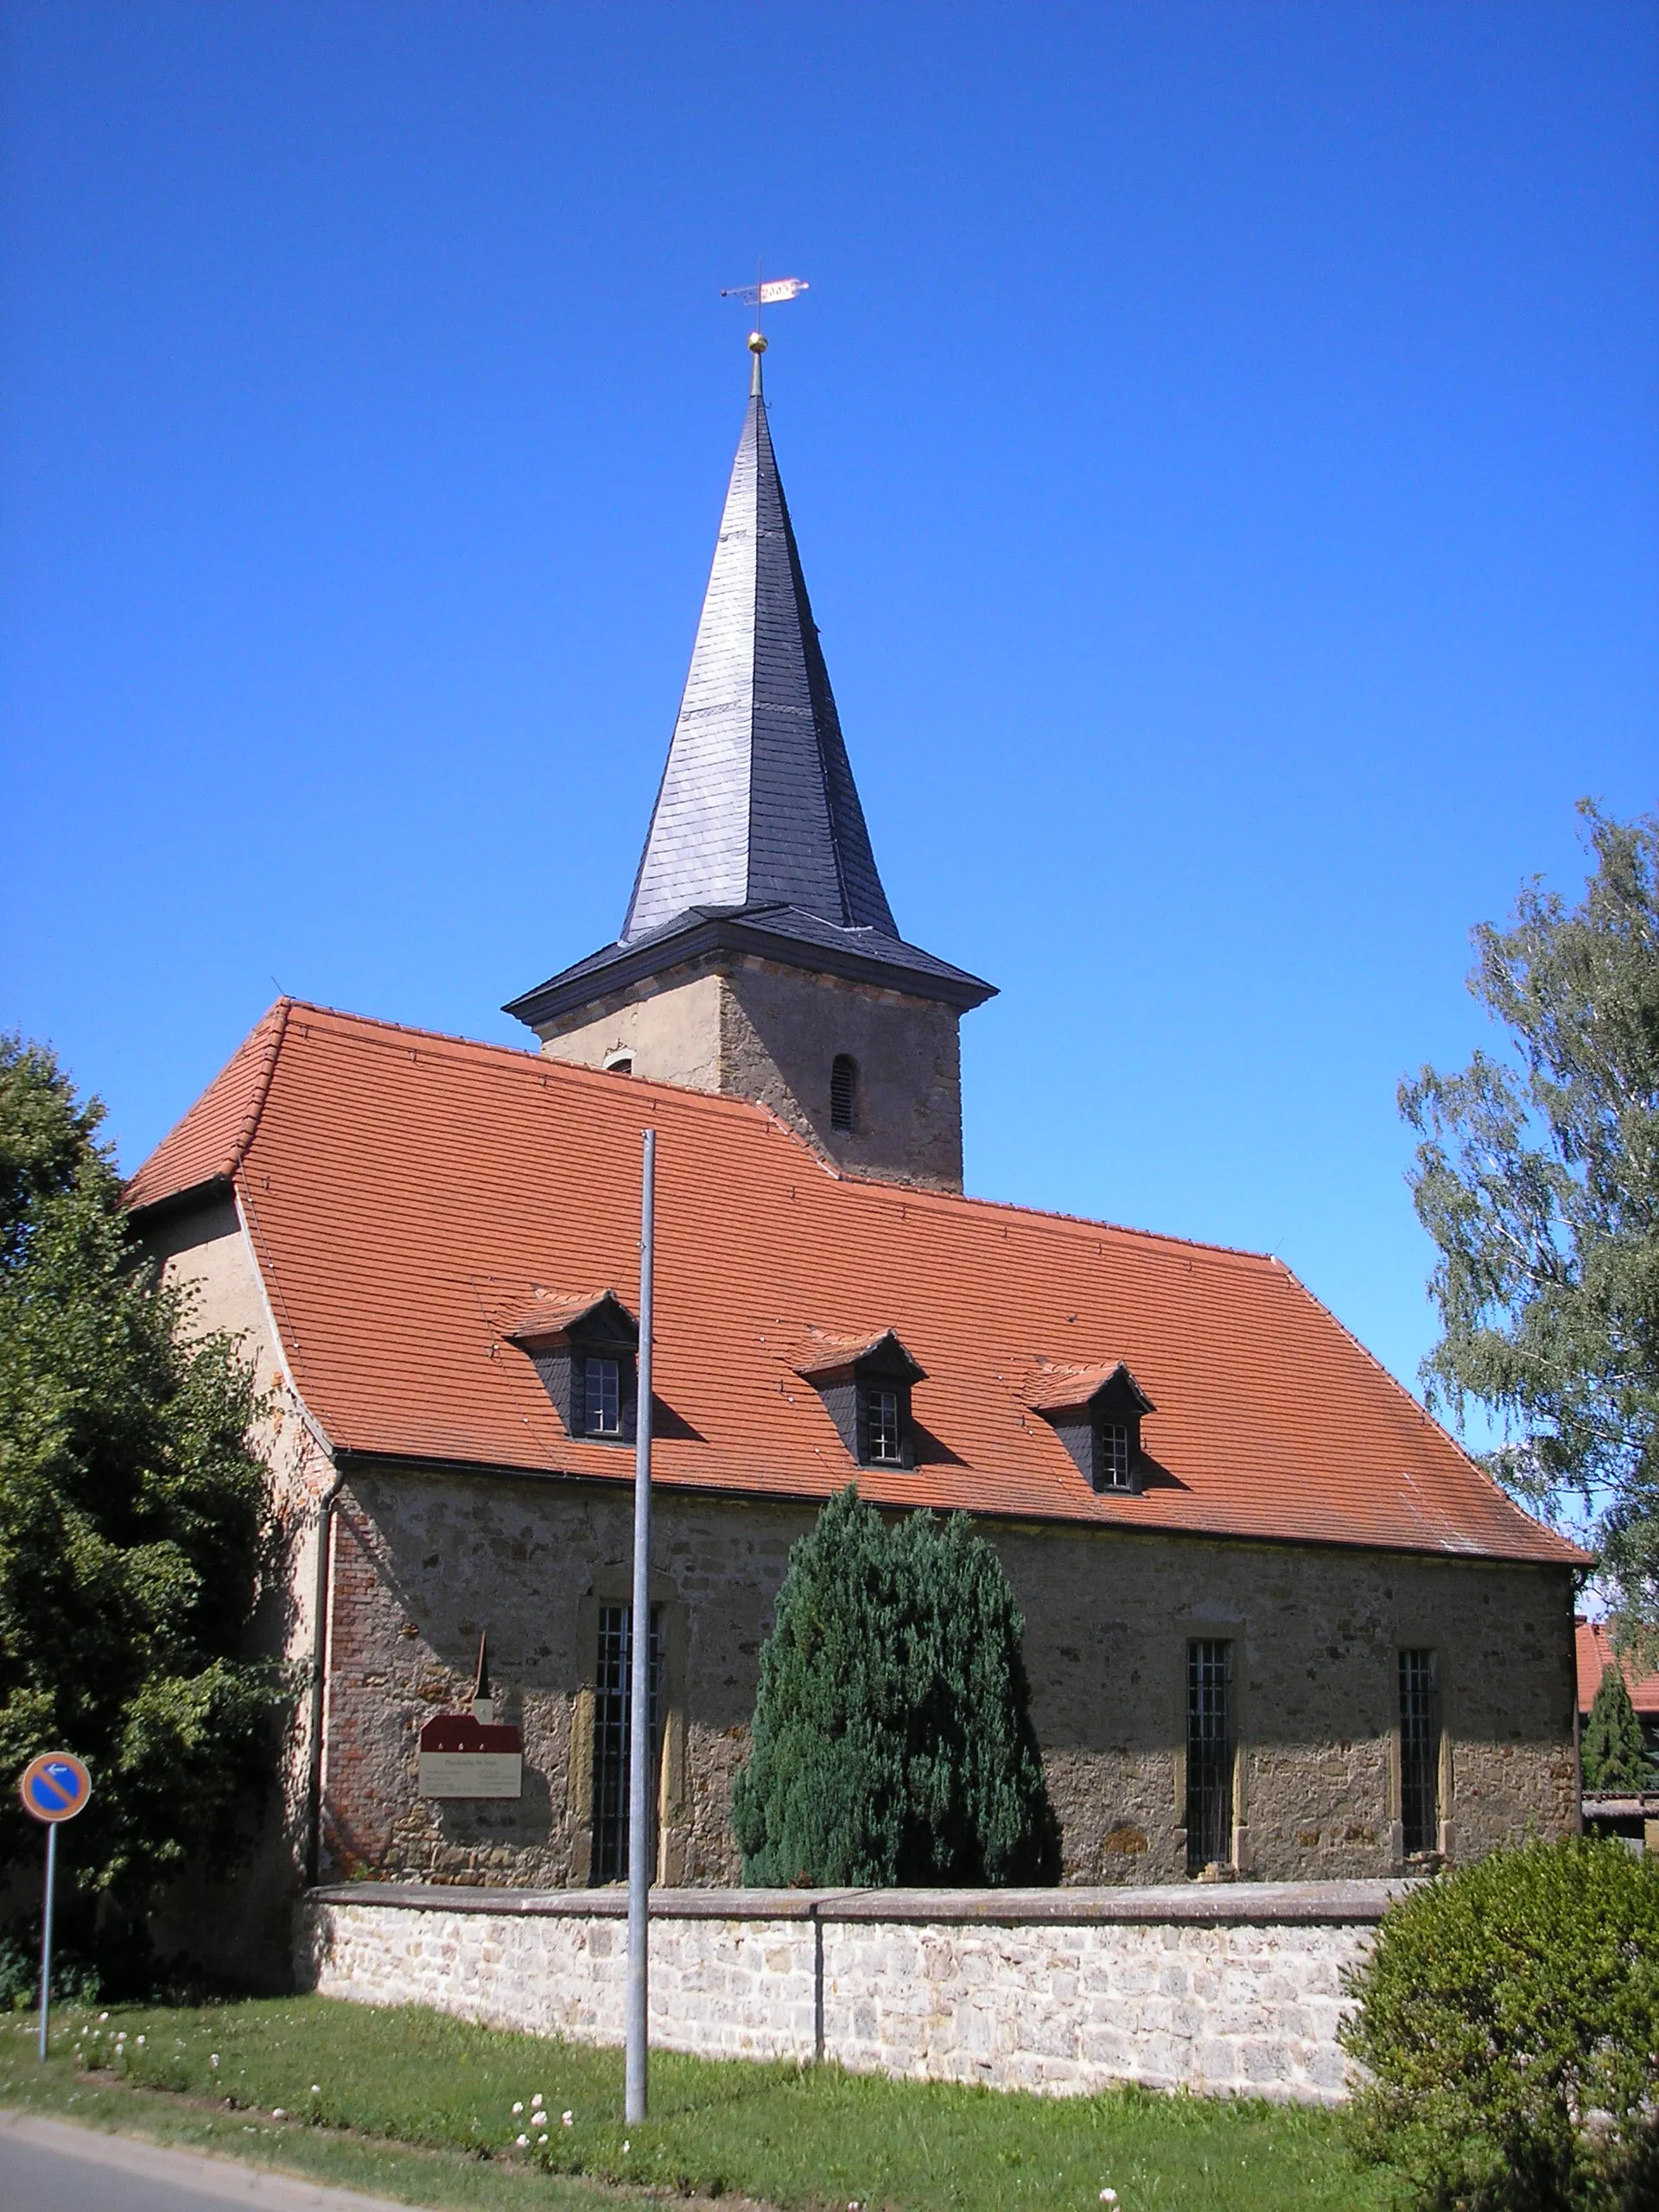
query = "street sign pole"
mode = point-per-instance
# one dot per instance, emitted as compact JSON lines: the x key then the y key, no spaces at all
{"x":640,"y":1773}
{"x":46,"y":1930}
{"x":53,"y":1788}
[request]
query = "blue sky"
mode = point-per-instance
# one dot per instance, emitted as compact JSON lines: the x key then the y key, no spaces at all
{"x":1222,"y":440}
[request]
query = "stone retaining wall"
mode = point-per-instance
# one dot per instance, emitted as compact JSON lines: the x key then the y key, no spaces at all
{"x":1232,"y":1987}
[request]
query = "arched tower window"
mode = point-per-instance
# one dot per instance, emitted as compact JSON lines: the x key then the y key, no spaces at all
{"x":843,"y":1091}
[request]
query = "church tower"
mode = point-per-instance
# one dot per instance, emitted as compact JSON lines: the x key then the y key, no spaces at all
{"x":760,"y":956}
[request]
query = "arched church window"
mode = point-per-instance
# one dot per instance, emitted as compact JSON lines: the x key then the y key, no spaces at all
{"x":843,"y":1091}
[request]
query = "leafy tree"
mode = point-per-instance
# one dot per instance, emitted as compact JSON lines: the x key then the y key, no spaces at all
{"x":130,"y":1517}
{"x":1508,"y":2025}
{"x":1538,"y":1178}
{"x":892,"y":1738}
{"x":1612,"y":1752}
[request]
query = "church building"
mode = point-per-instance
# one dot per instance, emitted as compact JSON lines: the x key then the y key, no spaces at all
{"x":1277,"y":1623}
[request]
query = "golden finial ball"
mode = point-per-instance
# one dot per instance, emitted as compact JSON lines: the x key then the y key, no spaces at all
{"x":757,"y":343}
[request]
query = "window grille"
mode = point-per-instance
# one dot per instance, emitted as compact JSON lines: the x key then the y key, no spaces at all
{"x":843,"y":1091}
{"x":1209,"y":1754}
{"x":1115,"y":1464}
{"x":881,"y":1419}
{"x":1420,"y":1752}
{"x":611,"y":1708}
{"x":602,"y":1395}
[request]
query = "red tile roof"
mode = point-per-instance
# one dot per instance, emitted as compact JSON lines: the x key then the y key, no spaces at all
{"x":1596,"y":1655}
{"x":412,"y":1197}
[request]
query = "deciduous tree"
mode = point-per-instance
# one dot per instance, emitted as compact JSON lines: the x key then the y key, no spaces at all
{"x":1538,"y":1179}
{"x":130,"y":1517}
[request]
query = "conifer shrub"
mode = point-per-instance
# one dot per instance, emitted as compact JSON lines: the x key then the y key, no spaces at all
{"x":893,"y":1743}
{"x":1508,"y":2023}
{"x":1612,"y":1752}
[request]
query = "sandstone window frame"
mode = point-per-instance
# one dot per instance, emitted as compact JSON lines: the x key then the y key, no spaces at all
{"x":1215,"y":1626}
{"x":1444,"y":1847}
{"x":614,"y":1586}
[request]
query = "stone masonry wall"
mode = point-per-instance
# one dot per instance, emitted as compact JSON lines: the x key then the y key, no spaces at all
{"x":422,"y":1564}
{"x":1063,"y":1992}
{"x":754,"y":1028}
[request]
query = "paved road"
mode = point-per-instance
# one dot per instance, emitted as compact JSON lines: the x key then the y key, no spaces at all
{"x":47,"y":2167}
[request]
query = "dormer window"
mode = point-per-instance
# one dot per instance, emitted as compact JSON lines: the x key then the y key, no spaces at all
{"x":601,"y":1380}
{"x":883,"y":1446}
{"x":583,"y":1350}
{"x":843,"y":1093}
{"x":865,"y":1384}
{"x":620,"y":1064}
{"x":1096,"y":1413}
{"x":1114,"y":1461}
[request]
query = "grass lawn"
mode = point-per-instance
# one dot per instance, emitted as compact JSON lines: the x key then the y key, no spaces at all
{"x":353,"y":2084}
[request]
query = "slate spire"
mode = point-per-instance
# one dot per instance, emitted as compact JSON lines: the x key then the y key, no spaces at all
{"x":757,"y":806}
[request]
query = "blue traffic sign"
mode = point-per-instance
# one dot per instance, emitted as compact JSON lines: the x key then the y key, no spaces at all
{"x":55,"y":1786}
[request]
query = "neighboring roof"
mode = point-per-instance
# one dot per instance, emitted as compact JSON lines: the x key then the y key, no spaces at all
{"x":410,"y":1196}
{"x":1596,"y":1655}
{"x":757,"y":840}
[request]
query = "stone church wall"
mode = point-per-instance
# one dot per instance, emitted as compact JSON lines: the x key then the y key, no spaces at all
{"x":423,"y":1564}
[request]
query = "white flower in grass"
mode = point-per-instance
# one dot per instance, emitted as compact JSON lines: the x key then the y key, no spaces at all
{"x":213,"y":2059}
{"x":1109,"y":2197}
{"x":627,"y":2147}
{"x":568,"y":2119}
{"x":103,"y":2016}
{"x":517,"y":2108}
{"x":316,"y":2088}
{"x":523,"y":2141}
{"x":140,"y":2041}
{"x":537,"y":2099}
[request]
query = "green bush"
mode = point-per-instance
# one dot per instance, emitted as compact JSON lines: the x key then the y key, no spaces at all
{"x":1509,"y":2024}
{"x":892,"y":1738}
{"x":74,"y":1979}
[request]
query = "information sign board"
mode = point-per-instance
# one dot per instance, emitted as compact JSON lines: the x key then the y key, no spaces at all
{"x":462,"y":1757}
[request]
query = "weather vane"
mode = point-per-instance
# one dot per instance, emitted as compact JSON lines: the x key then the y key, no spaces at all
{"x":765,"y":292}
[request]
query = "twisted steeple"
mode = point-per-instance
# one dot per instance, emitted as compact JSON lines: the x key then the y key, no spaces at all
{"x":757,"y":804}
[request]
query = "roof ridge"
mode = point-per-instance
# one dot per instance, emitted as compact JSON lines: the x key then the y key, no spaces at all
{"x":904,"y":1193}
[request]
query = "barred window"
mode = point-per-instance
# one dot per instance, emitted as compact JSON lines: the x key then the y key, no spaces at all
{"x":882,"y":1437}
{"x":612,"y":1705}
{"x":1209,"y":1754}
{"x":603,"y":1396}
{"x":843,"y":1091}
{"x":1420,"y":1752}
{"x":1115,"y":1466}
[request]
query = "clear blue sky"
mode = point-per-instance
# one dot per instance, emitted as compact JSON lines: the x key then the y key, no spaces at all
{"x":1222,"y":443}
